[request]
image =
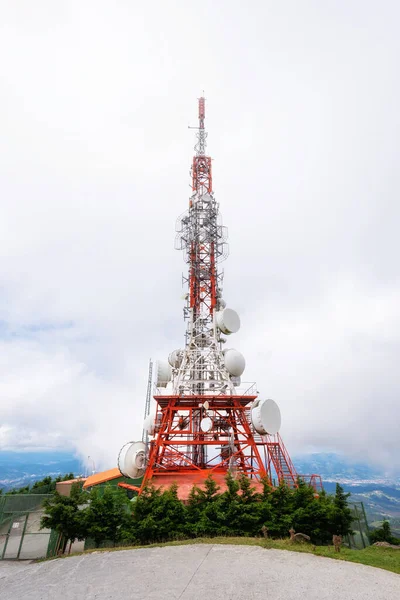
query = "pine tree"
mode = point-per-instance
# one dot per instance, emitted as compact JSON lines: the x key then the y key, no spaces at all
{"x":159,"y":515}
{"x":106,"y":514}
{"x":194,"y":510}
{"x":311,"y":514}
{"x":211,"y":489}
{"x":63,"y":514}
{"x":282,"y":508}
{"x":341,"y":517}
{"x":384,"y":534}
{"x":251,"y":516}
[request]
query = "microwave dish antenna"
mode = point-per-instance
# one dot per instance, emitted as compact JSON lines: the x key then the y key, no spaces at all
{"x":132,"y":459}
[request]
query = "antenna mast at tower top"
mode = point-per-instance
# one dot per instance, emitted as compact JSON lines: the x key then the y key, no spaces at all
{"x":203,"y":239}
{"x":201,"y":167}
{"x":202,"y":132}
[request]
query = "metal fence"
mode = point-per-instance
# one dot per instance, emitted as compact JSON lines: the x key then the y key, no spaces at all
{"x":20,"y":533}
{"x":360,"y":537}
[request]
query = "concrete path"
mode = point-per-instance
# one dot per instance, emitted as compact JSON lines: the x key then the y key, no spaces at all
{"x":196,"y":572}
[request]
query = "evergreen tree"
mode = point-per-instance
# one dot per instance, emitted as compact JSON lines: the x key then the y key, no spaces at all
{"x":204,"y":512}
{"x":63,"y":514}
{"x":383,"y":534}
{"x":386,"y":531}
{"x":311,"y":514}
{"x":211,"y":489}
{"x":229,"y":509}
{"x":232,"y":487}
{"x":341,"y":517}
{"x":106,"y":514}
{"x":282,"y":508}
{"x":46,"y":481}
{"x":159,"y":515}
{"x":246,"y":515}
{"x":145,"y":525}
{"x":266,"y":511}
{"x":194,"y":510}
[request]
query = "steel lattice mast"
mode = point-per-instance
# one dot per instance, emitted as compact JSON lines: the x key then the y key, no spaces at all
{"x":203,"y":239}
{"x":203,"y":420}
{"x":206,"y":422}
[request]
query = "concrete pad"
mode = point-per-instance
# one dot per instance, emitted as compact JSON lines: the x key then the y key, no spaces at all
{"x":220,"y":572}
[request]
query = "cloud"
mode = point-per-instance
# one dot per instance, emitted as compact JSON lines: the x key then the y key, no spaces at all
{"x":302,"y":116}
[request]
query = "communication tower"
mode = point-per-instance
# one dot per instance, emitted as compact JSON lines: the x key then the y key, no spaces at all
{"x":206,"y":421}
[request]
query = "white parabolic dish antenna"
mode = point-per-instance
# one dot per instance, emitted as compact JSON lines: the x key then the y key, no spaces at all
{"x":164,"y":373}
{"x":131,"y":460}
{"x":175,"y":358}
{"x":266,"y":417}
{"x":149,"y":424}
{"x":228,"y":321}
{"x":206,"y":424}
{"x":234,"y":362}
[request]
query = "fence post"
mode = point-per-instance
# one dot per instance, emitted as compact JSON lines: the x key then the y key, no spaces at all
{"x":23,"y":535}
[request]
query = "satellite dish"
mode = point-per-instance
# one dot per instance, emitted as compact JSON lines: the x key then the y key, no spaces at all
{"x":206,"y":424}
{"x":132,"y":459}
{"x":175,"y":358}
{"x":206,"y":405}
{"x":164,"y":373}
{"x":234,"y":362}
{"x":149,"y":424}
{"x":266,"y":417}
{"x":221,"y":303}
{"x":228,"y":321}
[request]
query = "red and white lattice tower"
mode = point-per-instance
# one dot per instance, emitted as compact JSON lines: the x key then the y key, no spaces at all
{"x":206,"y":420}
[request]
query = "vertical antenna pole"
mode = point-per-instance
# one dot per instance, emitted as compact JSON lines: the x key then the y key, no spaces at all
{"x":145,"y":435}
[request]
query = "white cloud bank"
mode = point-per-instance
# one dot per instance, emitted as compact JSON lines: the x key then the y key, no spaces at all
{"x":303,"y":120}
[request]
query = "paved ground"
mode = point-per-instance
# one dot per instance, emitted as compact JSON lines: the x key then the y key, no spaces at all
{"x":196,"y":572}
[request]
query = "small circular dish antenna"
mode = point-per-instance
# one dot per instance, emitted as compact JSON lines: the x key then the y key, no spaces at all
{"x":228,"y":321}
{"x":149,"y":424}
{"x":206,"y":198}
{"x":266,"y":417}
{"x":206,"y":424}
{"x":175,"y":358}
{"x":221,"y":303}
{"x":132,"y":459}
{"x":234,"y":362}
{"x":164,"y":373}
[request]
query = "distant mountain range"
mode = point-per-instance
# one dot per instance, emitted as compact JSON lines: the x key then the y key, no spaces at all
{"x":333,"y":467}
{"x":380,"y":492}
{"x":18,"y":469}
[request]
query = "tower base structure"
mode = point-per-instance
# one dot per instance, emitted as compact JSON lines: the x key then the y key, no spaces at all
{"x":212,"y":435}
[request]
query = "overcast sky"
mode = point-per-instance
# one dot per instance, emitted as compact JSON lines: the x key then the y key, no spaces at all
{"x":303,"y":117}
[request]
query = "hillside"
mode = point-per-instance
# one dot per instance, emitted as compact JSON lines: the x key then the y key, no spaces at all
{"x":379,"y":492}
{"x":18,"y":469}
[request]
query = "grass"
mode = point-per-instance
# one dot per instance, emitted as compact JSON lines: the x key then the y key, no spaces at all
{"x":373,"y":556}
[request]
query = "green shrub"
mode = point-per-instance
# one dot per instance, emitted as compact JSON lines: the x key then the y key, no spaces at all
{"x":157,"y":515}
